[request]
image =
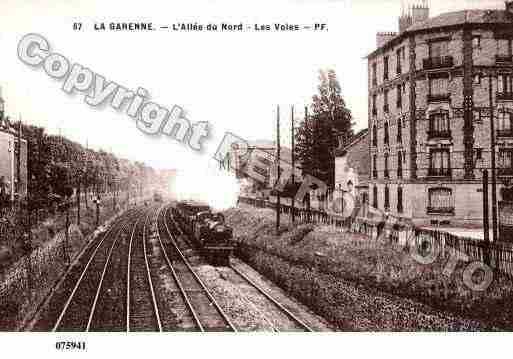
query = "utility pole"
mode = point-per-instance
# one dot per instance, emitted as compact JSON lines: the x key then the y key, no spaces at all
{"x":494,"y":175}
{"x":18,"y":162}
{"x":308,"y":140}
{"x":486,"y":218}
{"x":293,"y":214}
{"x":278,"y":147}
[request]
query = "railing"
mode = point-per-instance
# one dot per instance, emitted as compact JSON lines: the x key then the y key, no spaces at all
{"x":439,"y":97}
{"x":505,"y":133}
{"x":439,"y":134}
{"x":438,"y":62}
{"x":396,"y":232}
{"x":503,"y":59}
{"x":440,"y":210}
{"x":507,"y":172}
{"x":440,"y":172}
{"x":505,"y":96}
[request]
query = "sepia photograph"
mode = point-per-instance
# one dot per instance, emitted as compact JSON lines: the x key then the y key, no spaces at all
{"x":335,"y":167}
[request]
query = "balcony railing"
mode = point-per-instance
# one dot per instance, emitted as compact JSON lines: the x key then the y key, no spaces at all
{"x":438,"y":62}
{"x":440,"y":172}
{"x":503,"y":59}
{"x":505,"y":172}
{"x":439,"y":134}
{"x":440,"y":210}
{"x":505,"y":96}
{"x":439,"y":97}
{"x":505,"y":133}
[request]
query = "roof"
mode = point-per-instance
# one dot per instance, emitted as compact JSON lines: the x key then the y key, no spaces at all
{"x":456,"y":18}
{"x":356,"y":139}
{"x":464,"y":17}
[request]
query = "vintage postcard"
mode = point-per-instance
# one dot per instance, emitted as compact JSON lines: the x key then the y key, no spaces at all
{"x":332,"y":167}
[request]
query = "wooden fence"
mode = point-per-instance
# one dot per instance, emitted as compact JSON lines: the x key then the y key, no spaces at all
{"x":500,"y":256}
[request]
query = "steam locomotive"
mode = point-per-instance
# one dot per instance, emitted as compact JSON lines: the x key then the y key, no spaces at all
{"x":207,"y":230}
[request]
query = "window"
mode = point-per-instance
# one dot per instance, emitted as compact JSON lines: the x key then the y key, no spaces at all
{"x":374,"y":74}
{"x":477,"y":79}
{"x":439,"y":86}
{"x":439,"y":163}
{"x":399,"y":97}
{"x":505,"y":83}
{"x":399,"y":130}
{"x":399,"y":165}
{"x":386,"y":166}
{"x":375,"y":166}
{"x":506,"y":162}
{"x":386,"y":130}
{"x":504,"y":48}
{"x":399,"y":58}
{"x":440,"y":200}
{"x":387,"y":198}
{"x":386,"y":108}
{"x":439,"y":125}
{"x":505,"y":125}
{"x":476,"y":42}
{"x":399,"y":199}
{"x":374,"y":136}
{"x":385,"y":68}
{"x":374,"y":105}
{"x":438,"y":49}
{"x":375,"y":197}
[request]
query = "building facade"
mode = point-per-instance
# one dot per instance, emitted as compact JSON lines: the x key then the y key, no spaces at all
{"x":11,"y":183}
{"x":352,"y":172}
{"x":430,"y":86}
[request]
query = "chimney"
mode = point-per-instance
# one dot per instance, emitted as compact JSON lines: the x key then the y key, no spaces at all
{"x":509,"y":7}
{"x":420,"y":12}
{"x":405,"y":21}
{"x":383,"y":37}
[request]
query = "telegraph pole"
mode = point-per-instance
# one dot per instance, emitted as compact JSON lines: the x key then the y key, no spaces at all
{"x":293,"y":165}
{"x":486,"y":218}
{"x":278,"y":147}
{"x":494,"y":174}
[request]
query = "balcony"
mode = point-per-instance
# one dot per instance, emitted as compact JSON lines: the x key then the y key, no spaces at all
{"x":438,"y":62}
{"x":440,"y":210}
{"x":439,"y":97}
{"x":504,"y":59}
{"x":440,"y":172}
{"x":432,"y":134}
{"x":505,"y":172}
{"x":505,"y":96}
{"x":505,"y":133}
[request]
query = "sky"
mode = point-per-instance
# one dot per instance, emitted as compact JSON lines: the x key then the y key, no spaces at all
{"x":232,"y":80}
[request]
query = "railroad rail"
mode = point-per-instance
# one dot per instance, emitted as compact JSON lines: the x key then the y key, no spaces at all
{"x":144,"y":314}
{"x":99,"y":258}
{"x":205,"y":310}
{"x":298,"y":322}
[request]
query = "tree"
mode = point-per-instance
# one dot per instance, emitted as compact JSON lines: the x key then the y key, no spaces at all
{"x":328,"y":123}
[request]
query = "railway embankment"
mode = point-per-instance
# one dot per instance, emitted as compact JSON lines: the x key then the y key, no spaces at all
{"x":361,"y":284}
{"x":26,"y":283}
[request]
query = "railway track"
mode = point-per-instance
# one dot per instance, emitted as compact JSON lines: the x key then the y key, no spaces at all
{"x":78,"y":311}
{"x":142,"y":311}
{"x":298,"y":323}
{"x":204,"y":309}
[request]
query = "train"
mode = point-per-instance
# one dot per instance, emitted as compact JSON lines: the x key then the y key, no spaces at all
{"x":208,"y":231}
